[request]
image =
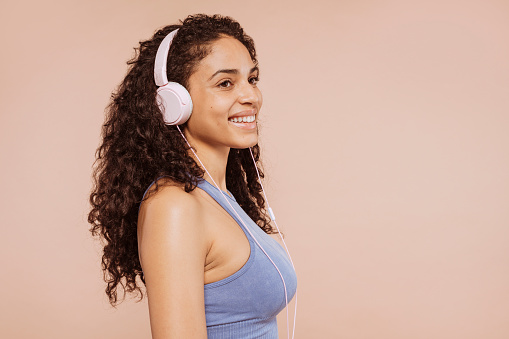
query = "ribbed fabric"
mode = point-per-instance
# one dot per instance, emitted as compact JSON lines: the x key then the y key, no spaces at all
{"x":245,"y":304}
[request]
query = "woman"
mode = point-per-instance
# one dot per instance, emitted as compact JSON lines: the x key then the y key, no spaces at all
{"x":178,"y":202}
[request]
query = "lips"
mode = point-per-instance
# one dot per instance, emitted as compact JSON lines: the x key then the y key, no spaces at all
{"x":244,"y":119}
{"x":245,"y":113}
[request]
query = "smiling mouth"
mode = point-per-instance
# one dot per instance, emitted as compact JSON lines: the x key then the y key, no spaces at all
{"x":246,"y":119}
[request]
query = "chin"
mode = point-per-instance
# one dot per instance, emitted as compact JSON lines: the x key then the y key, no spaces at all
{"x":246,"y":142}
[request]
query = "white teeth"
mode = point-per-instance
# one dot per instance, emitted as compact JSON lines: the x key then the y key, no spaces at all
{"x":249,"y":118}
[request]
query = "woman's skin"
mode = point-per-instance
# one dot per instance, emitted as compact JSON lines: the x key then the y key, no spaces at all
{"x":187,"y":240}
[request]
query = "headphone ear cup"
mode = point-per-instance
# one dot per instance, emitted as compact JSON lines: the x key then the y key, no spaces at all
{"x":175,"y":103}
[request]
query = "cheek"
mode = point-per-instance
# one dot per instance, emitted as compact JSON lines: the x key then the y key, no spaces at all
{"x":212,"y":106}
{"x":201,"y":104}
{"x":209,"y":113}
{"x":220,"y":105}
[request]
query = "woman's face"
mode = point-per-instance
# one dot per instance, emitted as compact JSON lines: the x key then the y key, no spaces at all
{"x":226,"y":99}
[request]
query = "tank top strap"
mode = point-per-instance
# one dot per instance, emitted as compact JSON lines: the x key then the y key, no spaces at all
{"x":146,"y":191}
{"x":215,"y":193}
{"x":219,"y":197}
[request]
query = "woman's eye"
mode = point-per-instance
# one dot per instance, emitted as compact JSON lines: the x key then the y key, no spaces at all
{"x":225,"y":84}
{"x":254,"y":80}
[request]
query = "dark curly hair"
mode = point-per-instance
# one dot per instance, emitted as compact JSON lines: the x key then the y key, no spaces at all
{"x":138,"y":148}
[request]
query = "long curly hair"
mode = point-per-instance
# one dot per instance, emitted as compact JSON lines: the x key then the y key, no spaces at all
{"x":138,"y":148}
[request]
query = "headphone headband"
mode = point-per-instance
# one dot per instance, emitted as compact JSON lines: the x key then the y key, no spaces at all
{"x":173,"y":99}
{"x":162,"y":58}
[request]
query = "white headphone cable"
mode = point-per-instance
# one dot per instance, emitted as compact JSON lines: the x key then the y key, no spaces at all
{"x":273,"y":218}
{"x":252,"y":236}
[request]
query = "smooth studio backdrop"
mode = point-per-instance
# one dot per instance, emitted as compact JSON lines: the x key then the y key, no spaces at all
{"x":385,"y":141}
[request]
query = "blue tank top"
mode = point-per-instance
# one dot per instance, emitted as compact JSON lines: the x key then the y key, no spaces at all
{"x":245,"y":304}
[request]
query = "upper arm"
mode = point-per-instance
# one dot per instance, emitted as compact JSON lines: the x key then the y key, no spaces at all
{"x":172,"y":248}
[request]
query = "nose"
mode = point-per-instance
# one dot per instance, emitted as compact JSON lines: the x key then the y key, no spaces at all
{"x":249,"y":93}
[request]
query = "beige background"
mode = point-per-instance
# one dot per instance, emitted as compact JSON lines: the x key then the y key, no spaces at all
{"x":385,"y":136}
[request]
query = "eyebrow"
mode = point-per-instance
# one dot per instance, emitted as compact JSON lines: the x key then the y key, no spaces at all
{"x":233,"y":71}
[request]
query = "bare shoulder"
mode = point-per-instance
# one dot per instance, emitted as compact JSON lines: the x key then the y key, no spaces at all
{"x":167,"y":191}
{"x":171,"y":215}
{"x":169,"y":200}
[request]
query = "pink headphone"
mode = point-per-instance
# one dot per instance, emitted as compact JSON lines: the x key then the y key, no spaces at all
{"x":173,"y":99}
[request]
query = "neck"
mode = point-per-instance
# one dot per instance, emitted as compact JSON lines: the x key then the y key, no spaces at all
{"x":211,"y":158}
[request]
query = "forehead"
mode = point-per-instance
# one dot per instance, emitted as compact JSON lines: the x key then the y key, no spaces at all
{"x":226,"y":53}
